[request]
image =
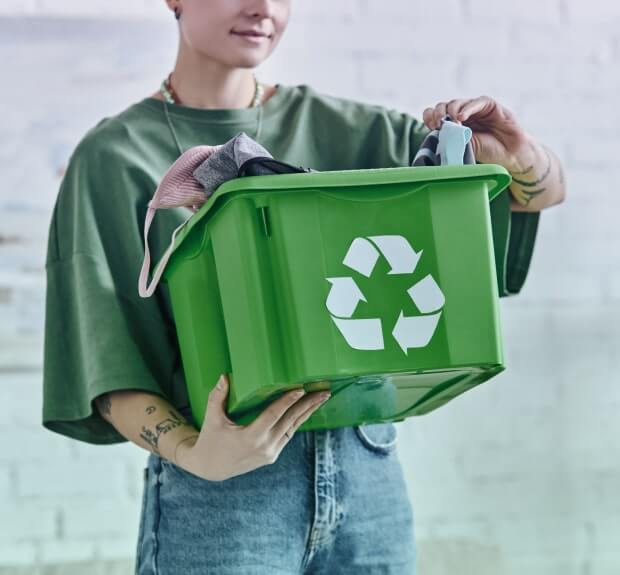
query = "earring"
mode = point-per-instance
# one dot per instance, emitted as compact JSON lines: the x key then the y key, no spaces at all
{"x":177,"y":12}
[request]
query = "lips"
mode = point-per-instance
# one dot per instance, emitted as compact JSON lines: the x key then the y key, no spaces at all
{"x":250,"y":33}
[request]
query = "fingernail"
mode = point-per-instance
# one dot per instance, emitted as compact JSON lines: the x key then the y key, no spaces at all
{"x":220,"y":382}
{"x":325,"y":396}
{"x":299,"y":393}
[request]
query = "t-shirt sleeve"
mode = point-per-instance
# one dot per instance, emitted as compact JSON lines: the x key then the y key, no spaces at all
{"x":523,"y":230}
{"x":99,"y":334}
{"x":415,"y":132}
{"x":395,"y":137}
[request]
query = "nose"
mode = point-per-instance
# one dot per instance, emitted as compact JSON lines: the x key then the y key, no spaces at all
{"x":259,"y":9}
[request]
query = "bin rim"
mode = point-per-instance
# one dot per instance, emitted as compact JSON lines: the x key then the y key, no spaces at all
{"x":496,"y":176}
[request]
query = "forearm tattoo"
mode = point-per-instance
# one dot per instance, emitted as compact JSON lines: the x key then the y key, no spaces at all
{"x":152,"y":436}
{"x":525,"y":196}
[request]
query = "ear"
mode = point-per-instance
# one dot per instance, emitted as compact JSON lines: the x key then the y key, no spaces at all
{"x":173,"y":5}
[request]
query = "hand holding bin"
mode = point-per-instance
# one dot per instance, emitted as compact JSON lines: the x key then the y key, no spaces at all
{"x":379,"y":285}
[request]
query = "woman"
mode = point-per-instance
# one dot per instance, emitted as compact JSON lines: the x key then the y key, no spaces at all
{"x":257,"y":499}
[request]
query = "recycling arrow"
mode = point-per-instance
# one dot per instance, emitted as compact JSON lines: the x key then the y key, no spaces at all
{"x":361,"y":256}
{"x":365,"y":334}
{"x":398,"y":252}
{"x":415,"y":331}
{"x":344,"y":295}
{"x":426,"y":295}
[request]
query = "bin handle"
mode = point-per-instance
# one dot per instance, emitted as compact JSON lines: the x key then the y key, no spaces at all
{"x":144,"y":288}
{"x":177,"y":188}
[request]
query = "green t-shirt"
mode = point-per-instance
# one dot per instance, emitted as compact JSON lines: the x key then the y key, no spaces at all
{"x":100,"y":335}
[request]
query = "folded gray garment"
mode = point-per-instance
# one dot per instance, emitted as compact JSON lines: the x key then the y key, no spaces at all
{"x":224,"y":164}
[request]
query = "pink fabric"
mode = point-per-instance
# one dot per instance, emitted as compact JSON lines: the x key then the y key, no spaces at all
{"x":177,"y":188}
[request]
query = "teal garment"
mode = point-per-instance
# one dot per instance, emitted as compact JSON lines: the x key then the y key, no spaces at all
{"x":100,"y":335}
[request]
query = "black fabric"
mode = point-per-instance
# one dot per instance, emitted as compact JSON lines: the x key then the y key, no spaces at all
{"x":264,"y":165}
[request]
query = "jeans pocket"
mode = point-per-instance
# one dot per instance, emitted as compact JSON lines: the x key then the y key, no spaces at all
{"x":378,"y":437}
{"x":171,"y":471}
{"x":174,"y":469}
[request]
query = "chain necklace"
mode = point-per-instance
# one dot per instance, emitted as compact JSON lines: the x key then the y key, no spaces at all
{"x":171,"y":97}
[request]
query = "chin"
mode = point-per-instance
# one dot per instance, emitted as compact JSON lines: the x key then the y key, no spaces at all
{"x":248,"y":61}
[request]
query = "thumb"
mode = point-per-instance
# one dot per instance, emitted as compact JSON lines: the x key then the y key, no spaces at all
{"x":216,"y":403}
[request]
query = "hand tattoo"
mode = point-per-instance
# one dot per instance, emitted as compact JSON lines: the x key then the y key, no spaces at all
{"x":539,"y":180}
{"x":150,"y":409}
{"x":526,"y":196}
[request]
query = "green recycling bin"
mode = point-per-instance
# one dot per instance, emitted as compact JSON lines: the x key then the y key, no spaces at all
{"x":377,"y":284}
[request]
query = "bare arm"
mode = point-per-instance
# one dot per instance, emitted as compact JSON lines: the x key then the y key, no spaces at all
{"x":147,"y":420}
{"x":221,"y":449}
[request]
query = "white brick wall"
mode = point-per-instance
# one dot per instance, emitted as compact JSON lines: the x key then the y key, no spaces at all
{"x":99,"y":9}
{"x":518,"y":476}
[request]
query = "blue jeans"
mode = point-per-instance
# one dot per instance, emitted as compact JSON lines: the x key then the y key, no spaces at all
{"x":335,"y":502}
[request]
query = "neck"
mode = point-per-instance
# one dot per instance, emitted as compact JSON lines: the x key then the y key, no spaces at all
{"x":204,"y":83}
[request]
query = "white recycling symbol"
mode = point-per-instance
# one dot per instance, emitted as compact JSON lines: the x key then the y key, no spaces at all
{"x":344,"y":295}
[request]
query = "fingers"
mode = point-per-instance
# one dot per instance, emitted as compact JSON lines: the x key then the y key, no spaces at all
{"x":271,"y":415}
{"x":427,"y":117}
{"x":455,"y":108}
{"x":432,"y":116}
{"x":459,"y":109}
{"x":296,"y":412}
{"x":288,"y":432}
{"x":216,"y":404}
{"x":477,"y":105}
{"x":436,"y":114}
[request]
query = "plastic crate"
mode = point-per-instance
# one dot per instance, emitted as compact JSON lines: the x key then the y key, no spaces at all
{"x":380,"y":285}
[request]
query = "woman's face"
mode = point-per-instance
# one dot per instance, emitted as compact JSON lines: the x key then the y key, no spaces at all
{"x":211,"y":28}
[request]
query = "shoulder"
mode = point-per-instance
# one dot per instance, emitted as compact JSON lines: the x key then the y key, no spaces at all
{"x":99,"y":188}
{"x":106,"y":139}
{"x":114,"y":137}
{"x":333,"y":102}
{"x":107,"y":164}
{"x":351,"y":110}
